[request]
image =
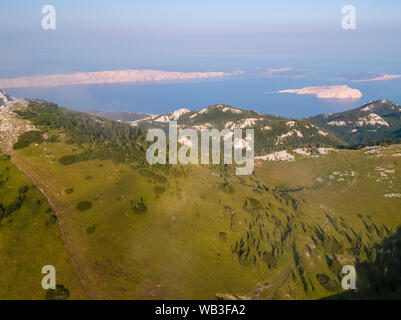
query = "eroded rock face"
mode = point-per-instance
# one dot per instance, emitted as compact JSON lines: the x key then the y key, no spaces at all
{"x":11,"y":125}
{"x":4,"y":97}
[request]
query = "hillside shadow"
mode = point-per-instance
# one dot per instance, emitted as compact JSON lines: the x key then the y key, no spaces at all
{"x":380,"y":277}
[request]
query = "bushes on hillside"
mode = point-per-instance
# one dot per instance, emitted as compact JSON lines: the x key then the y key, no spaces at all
{"x":72,"y":158}
{"x":251,"y":203}
{"x":12,"y":207}
{"x":152,"y":175}
{"x":101,"y":153}
{"x":27,"y":138}
{"x":328,"y":283}
{"x":107,"y":140}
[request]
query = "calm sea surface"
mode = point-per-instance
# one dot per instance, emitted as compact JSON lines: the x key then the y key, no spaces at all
{"x":246,"y":91}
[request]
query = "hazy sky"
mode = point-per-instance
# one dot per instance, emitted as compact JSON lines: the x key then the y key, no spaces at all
{"x":205,"y":35}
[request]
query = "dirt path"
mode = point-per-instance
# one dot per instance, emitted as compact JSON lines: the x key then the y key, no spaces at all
{"x":82,"y":270}
{"x":276,"y":284}
{"x":11,"y":126}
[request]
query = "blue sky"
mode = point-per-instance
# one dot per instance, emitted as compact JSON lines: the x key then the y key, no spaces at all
{"x":196,"y":35}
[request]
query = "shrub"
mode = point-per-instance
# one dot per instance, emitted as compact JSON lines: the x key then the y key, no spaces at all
{"x":60,"y":293}
{"x":69,"y":190}
{"x":139,"y":207}
{"x":91,"y":229}
{"x":52,"y":220}
{"x":12,"y":207}
{"x":84,"y":205}
{"x":251,"y":203}
{"x":53,"y":138}
{"x":269,"y":259}
{"x":226,"y":187}
{"x":27,"y":138}
{"x":149,"y":174}
{"x":23,"y":189}
{"x":158,"y":190}
{"x":70,"y":159}
{"x":328,"y":283}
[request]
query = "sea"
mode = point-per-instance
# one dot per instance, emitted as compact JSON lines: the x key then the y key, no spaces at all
{"x":246,"y":91}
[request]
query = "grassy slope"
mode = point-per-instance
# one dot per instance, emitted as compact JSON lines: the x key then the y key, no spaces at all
{"x":362,"y":194}
{"x":208,"y":233}
{"x":27,"y":244}
{"x":174,"y":250}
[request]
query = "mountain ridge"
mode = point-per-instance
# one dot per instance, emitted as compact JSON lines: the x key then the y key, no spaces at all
{"x":283,"y":232}
{"x":373,"y":121}
{"x":272,"y":132}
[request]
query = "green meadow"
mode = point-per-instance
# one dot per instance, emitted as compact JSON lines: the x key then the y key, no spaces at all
{"x":84,"y":200}
{"x":200,"y":232}
{"x":29,"y":239}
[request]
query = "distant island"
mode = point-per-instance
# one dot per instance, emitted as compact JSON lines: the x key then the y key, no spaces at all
{"x":102,"y":77}
{"x":328,"y":92}
{"x":368,"y":76}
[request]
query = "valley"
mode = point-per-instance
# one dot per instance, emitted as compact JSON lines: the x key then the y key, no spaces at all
{"x":129,"y":230}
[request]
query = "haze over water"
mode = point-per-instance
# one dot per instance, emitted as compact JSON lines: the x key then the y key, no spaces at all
{"x":255,"y":36}
{"x":248,"y":92}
